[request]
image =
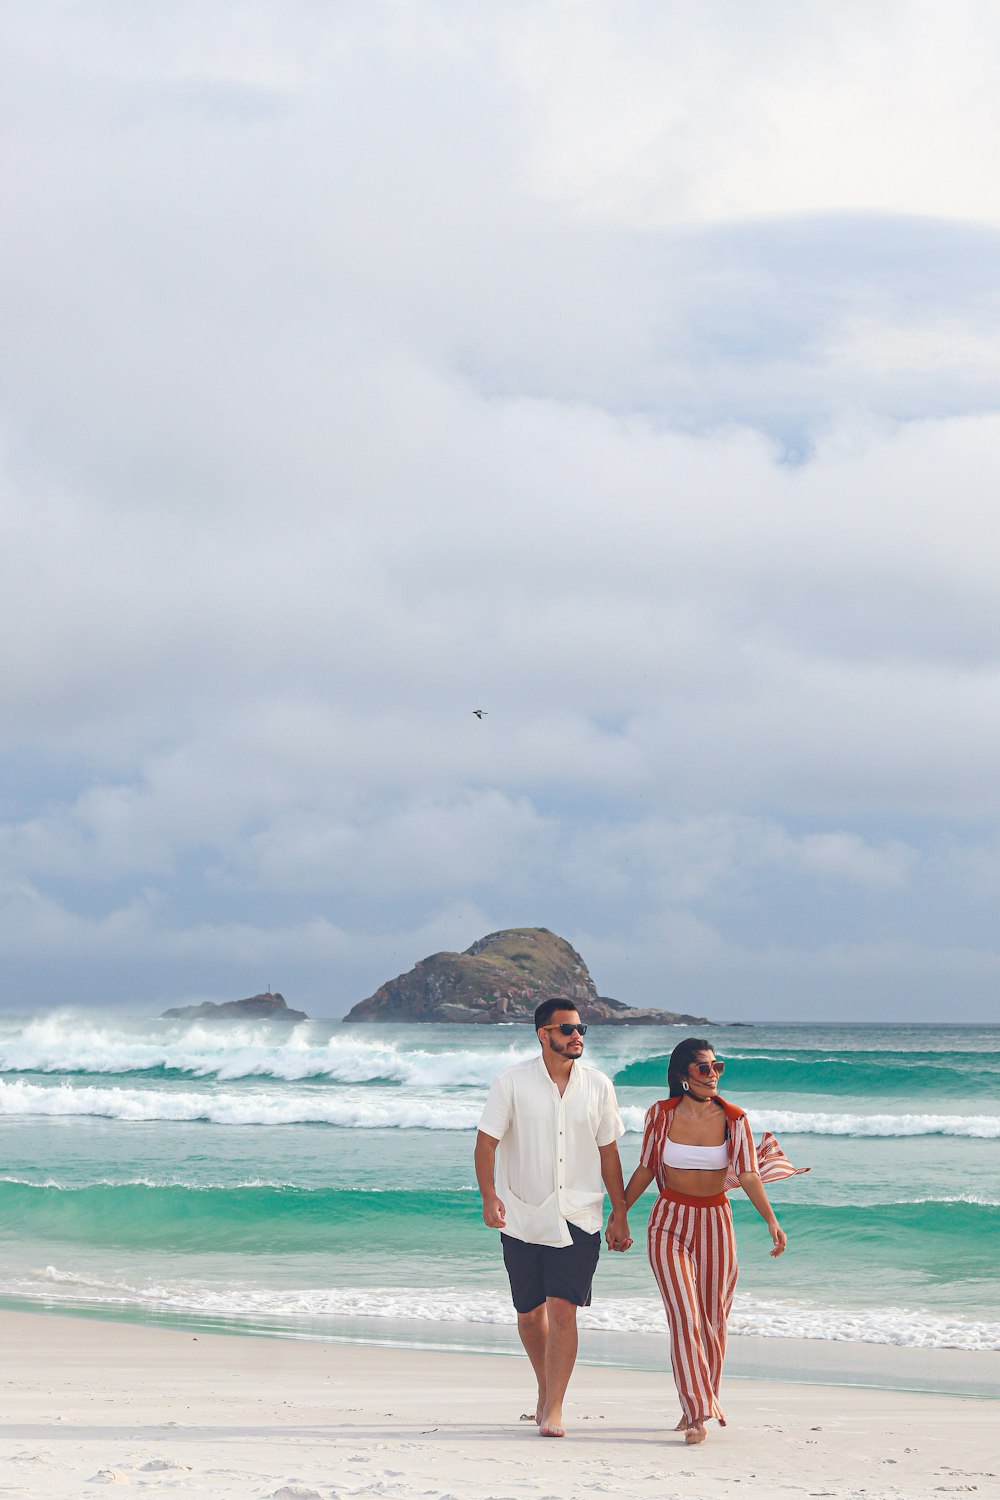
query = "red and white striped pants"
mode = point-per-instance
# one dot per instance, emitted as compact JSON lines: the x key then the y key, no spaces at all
{"x":692,"y":1250}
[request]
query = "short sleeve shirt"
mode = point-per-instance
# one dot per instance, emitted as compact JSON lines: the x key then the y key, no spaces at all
{"x":548,"y":1170}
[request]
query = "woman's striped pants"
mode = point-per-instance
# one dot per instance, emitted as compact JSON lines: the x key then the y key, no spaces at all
{"x":692,"y":1250}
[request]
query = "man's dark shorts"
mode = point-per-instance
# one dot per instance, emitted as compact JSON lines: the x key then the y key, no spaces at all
{"x":540,"y":1271}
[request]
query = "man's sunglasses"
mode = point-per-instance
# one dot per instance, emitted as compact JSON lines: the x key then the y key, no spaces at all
{"x":567,"y":1027}
{"x":707,"y":1069}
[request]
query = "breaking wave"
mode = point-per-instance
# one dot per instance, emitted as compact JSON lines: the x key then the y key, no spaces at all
{"x":877,"y":1074}
{"x":73,"y":1045}
{"x":284,"y":1219}
{"x":373,"y":1109}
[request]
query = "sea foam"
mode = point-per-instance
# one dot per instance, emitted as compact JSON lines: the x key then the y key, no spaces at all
{"x":750,"y":1317}
{"x":374,"y":1110}
{"x":65,"y":1043}
{"x":392,"y":1109}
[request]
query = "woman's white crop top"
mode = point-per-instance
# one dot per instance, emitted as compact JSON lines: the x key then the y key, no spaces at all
{"x":696,"y":1158}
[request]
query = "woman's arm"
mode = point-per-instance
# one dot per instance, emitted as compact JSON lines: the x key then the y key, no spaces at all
{"x":753,"y":1187}
{"x":637,"y":1185}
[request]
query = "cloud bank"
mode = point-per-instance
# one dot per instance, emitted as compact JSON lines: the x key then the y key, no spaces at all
{"x":627,"y":372}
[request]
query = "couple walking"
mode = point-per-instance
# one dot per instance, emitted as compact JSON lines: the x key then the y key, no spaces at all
{"x":546,"y":1152}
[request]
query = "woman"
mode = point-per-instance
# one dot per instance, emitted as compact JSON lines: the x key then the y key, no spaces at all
{"x":697,"y":1145}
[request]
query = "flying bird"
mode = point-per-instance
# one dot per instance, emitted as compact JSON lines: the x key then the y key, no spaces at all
{"x":479,"y":712}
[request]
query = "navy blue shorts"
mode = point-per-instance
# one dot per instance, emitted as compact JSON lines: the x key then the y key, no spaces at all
{"x":540,"y":1271}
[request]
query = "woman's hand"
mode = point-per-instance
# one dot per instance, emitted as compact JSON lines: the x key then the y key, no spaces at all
{"x":753,"y":1187}
{"x":616,"y":1234}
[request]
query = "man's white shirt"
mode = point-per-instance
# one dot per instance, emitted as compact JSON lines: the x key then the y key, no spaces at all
{"x":548,"y":1167}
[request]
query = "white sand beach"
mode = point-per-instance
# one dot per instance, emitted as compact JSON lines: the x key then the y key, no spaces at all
{"x":90,"y":1405}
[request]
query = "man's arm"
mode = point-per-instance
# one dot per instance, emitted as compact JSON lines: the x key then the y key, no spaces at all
{"x":494,"y":1213}
{"x":617,"y":1235}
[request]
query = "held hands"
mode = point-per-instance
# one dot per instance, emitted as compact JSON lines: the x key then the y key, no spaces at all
{"x":494,"y":1213}
{"x":780,"y":1239}
{"x":616,"y":1234}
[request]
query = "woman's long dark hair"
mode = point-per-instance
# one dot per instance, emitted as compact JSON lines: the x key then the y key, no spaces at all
{"x":681,"y":1059}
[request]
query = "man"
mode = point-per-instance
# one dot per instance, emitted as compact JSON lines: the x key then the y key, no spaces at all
{"x":557,"y":1125}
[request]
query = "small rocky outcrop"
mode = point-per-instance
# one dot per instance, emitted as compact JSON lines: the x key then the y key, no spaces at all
{"x":502,"y":977}
{"x":256,"y":1008}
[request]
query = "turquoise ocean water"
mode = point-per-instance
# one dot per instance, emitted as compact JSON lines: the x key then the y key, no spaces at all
{"x":317,"y":1181}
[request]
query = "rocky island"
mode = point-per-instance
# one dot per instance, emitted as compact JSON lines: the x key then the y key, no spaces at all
{"x":502,"y":977}
{"x":256,"y":1008}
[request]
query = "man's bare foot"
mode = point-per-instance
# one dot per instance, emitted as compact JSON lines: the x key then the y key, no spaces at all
{"x":695,"y":1433}
{"x":551,"y":1425}
{"x":682,"y":1425}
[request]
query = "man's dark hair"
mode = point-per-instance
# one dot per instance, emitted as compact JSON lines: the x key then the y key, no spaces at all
{"x":545,"y":1011}
{"x":681,"y":1059}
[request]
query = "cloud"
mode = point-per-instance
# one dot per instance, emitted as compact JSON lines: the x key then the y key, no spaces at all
{"x":649,"y":115}
{"x":613,"y":369}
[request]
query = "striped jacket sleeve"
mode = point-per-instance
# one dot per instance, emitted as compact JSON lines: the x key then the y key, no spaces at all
{"x":774,"y":1164}
{"x":743,"y":1152}
{"x":768,"y":1160}
{"x":648,"y":1154}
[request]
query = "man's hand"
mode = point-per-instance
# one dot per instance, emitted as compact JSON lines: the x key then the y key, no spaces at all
{"x":617,"y":1234}
{"x":494,"y":1213}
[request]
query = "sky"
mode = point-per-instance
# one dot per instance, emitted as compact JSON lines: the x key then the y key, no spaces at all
{"x":628,"y":370}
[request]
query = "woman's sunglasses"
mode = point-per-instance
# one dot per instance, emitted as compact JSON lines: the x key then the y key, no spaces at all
{"x":707,"y":1069}
{"x":567,"y":1027}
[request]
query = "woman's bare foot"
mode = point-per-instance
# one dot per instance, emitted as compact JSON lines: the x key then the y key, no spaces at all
{"x":682,"y":1425}
{"x":536,"y":1415}
{"x":695,"y":1433}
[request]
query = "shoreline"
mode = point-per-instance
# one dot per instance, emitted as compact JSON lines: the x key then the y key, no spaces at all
{"x":91,"y":1402}
{"x":840,"y":1363}
{"x":824,"y":1362}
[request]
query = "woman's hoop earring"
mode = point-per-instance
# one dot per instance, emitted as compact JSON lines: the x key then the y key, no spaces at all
{"x":685,"y":1086}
